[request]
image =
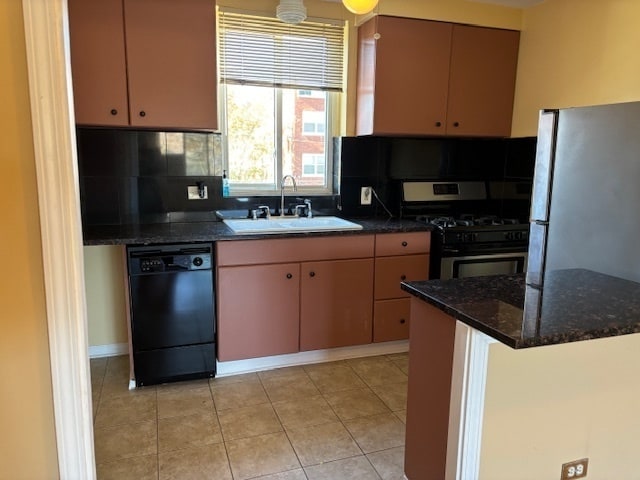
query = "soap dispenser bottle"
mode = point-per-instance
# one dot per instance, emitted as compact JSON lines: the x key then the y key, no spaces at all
{"x":225,"y":184}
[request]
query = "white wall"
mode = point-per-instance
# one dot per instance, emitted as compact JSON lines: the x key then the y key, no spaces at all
{"x":550,"y":405}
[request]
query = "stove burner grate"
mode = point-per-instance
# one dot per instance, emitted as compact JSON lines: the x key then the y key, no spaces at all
{"x":466,"y":220}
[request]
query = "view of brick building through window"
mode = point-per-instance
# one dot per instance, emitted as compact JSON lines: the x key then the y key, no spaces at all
{"x":309,"y":137}
{"x":253,"y":115}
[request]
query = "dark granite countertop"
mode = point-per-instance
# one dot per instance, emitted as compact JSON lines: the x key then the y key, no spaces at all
{"x":575,"y":305}
{"x":217,"y":230}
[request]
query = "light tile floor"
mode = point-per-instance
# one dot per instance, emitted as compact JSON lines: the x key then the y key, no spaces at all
{"x":333,"y":421}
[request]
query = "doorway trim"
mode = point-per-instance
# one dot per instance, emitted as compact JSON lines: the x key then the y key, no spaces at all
{"x":53,"y":124}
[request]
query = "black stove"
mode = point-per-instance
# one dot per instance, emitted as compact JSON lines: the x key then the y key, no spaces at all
{"x":465,"y":219}
{"x":488,"y":233}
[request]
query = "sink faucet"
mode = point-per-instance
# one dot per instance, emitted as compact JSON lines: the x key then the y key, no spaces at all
{"x":295,"y":189}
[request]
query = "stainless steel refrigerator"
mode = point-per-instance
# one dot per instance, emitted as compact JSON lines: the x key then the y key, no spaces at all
{"x":585,"y":209}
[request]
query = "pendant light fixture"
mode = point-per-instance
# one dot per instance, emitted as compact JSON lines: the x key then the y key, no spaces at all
{"x":360,"y":7}
{"x":291,"y":11}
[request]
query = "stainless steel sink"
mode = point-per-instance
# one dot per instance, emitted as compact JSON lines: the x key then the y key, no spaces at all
{"x":290,"y":225}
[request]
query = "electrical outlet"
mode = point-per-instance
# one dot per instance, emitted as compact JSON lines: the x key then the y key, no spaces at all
{"x":575,"y":469}
{"x":194,"y":193}
{"x":365,"y":196}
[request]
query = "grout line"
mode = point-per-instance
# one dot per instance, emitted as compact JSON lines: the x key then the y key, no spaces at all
{"x":157,"y":435}
{"x":280,"y":419}
{"x":224,"y":441}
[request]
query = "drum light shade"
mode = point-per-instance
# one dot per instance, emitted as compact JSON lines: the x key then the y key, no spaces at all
{"x":360,"y":7}
{"x":291,"y":11}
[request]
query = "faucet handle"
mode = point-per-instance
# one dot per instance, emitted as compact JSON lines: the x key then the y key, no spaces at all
{"x":298,"y":209}
{"x":307,"y":202}
{"x":265,"y":209}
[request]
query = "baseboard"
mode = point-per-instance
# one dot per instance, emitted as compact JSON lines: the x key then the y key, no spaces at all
{"x":266,"y":363}
{"x":111,"y":350}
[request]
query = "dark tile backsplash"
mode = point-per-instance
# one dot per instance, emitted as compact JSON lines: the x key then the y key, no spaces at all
{"x":384,"y":163}
{"x":129,"y":176}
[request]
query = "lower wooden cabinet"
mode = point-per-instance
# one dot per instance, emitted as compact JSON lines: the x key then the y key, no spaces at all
{"x":390,"y":271}
{"x":279,"y":296}
{"x":258,"y":310}
{"x":336,"y":303}
{"x":391,"y":320}
{"x":399,"y":257}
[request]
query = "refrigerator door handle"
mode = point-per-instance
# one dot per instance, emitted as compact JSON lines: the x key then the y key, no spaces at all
{"x":545,"y":157}
{"x":537,"y":253}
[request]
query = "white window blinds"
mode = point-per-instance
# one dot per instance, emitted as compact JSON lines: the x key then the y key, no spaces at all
{"x":265,"y":51}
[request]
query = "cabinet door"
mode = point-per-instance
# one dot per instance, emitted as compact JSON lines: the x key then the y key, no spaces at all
{"x":402,"y":87}
{"x":98,"y":66}
{"x":390,"y":271}
{"x":336,"y":303}
{"x":258,"y":310}
{"x":482,"y":81}
{"x":171,"y":59}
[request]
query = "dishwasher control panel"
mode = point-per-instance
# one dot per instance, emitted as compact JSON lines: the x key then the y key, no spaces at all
{"x":168,"y":260}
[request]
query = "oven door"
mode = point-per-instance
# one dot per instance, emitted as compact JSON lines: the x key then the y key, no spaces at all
{"x":479,"y":265}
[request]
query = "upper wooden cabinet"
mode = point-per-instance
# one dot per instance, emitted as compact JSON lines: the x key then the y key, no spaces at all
{"x":402,"y":76}
{"x":482,"y":81}
{"x":435,"y":78}
{"x":98,"y":63}
{"x":144,"y":63}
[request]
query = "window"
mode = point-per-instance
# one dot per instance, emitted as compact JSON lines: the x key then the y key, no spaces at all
{"x":309,"y":93}
{"x":279,"y":95}
{"x":313,"y":122}
{"x":312,"y":165}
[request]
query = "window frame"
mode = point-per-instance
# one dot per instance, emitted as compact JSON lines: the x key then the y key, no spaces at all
{"x":332,"y":129}
{"x":333,"y":123}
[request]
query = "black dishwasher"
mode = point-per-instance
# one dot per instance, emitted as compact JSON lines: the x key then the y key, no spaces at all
{"x":172,"y":312}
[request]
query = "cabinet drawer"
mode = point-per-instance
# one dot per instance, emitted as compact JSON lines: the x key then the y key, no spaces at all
{"x":390,"y":271}
{"x":280,"y":250}
{"x":391,"y":320}
{"x":388,"y":244}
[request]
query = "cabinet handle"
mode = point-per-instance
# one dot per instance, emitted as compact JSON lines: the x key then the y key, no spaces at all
{"x":438,"y":124}
{"x":289,"y":275}
{"x":312,"y":274}
{"x":114,"y":111}
{"x":403,"y":277}
{"x":404,"y":244}
{"x":143,"y":113}
{"x":402,"y":321}
{"x":456,"y":124}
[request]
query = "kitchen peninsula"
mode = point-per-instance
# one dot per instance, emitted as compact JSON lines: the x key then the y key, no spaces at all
{"x":494,"y":405}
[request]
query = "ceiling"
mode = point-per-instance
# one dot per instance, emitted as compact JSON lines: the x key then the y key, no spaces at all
{"x":508,"y":3}
{"x":512,"y":3}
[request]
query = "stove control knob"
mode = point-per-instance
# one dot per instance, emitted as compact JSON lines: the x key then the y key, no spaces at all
{"x":470,"y":237}
{"x":518,"y":235}
{"x":508,"y":235}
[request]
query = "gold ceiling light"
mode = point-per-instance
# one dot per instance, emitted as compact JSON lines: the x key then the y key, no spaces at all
{"x":360,"y":7}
